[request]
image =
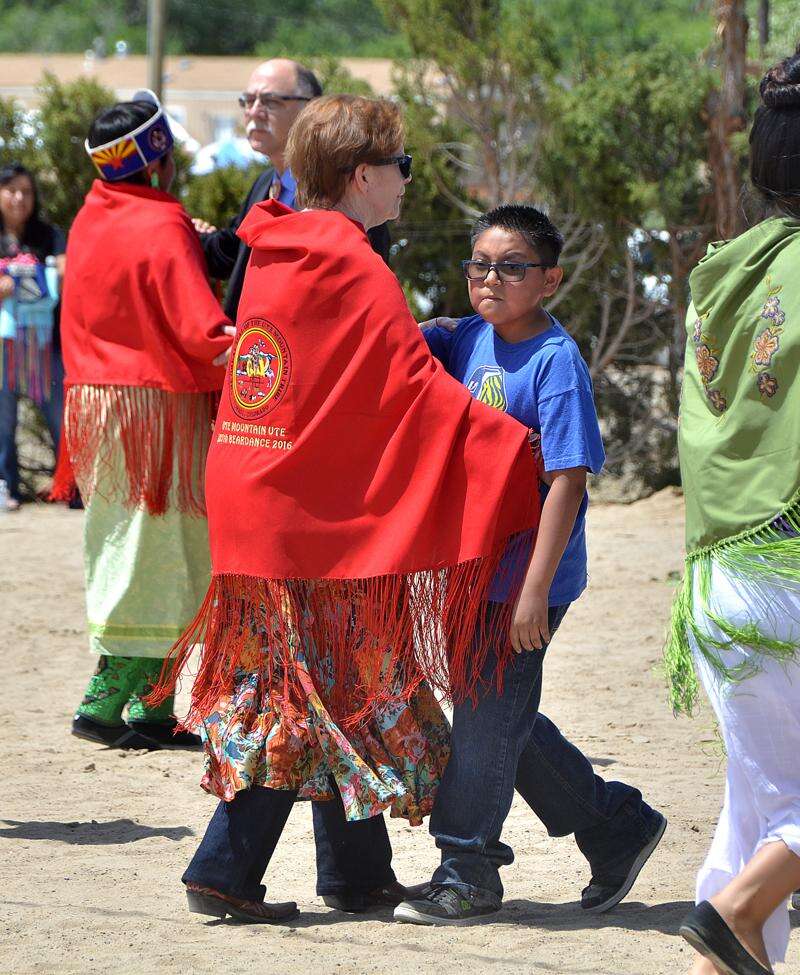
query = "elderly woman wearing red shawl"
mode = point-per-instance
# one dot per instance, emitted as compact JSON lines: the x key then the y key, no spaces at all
{"x":144,"y":342}
{"x":354,"y":522}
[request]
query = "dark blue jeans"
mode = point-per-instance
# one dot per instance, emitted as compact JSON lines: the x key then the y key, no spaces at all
{"x":503,"y":744}
{"x":52,"y":411}
{"x":242,"y":835}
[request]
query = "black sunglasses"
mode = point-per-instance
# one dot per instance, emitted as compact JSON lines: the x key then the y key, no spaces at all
{"x":266,"y":99}
{"x":402,"y":162}
{"x":505,"y":270}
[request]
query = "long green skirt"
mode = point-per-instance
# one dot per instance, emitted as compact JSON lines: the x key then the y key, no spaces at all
{"x":146,"y":576}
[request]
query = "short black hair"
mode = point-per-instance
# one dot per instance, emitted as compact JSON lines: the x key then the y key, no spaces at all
{"x":531,"y":224}
{"x":308,"y":82}
{"x":119,"y":120}
{"x":775,"y":137}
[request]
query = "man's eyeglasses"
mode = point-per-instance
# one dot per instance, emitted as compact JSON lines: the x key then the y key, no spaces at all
{"x":268,"y":100}
{"x":505,"y":270}
{"x":402,"y":162}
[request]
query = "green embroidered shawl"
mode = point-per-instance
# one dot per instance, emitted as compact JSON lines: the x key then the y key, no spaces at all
{"x":739,"y":437}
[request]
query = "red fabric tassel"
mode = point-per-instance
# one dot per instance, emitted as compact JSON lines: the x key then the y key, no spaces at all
{"x":64,"y":486}
{"x":145,"y":447}
{"x":365,"y":642}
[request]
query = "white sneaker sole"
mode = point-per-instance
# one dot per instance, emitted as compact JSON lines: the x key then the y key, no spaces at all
{"x":410,"y":915}
{"x":633,"y":873}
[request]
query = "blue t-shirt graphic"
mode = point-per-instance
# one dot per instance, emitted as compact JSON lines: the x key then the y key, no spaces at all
{"x":544,"y":383}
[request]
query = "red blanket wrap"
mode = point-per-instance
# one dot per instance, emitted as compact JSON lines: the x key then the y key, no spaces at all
{"x":358,"y":497}
{"x":140,"y":328}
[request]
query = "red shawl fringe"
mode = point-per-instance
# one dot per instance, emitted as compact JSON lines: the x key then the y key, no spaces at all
{"x":64,"y":486}
{"x":364,"y":642}
{"x":145,"y":447}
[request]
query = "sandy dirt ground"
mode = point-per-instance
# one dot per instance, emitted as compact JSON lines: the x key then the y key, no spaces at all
{"x":93,"y":841}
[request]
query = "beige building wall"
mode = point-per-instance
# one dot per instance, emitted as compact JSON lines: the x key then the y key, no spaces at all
{"x":199,"y":92}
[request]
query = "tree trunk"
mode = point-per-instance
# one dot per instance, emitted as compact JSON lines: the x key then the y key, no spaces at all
{"x":727,"y":116}
{"x":677,"y":341}
{"x":763,"y":25}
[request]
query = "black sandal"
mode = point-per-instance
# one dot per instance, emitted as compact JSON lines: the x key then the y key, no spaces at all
{"x":113,"y":736}
{"x":708,"y":934}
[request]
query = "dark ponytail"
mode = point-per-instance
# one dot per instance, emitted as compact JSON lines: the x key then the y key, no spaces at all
{"x":775,"y":137}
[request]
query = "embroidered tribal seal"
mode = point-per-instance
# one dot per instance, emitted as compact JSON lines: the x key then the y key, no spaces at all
{"x":260,"y":370}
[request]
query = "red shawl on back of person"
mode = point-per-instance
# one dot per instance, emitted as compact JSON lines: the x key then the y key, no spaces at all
{"x":140,"y":328}
{"x":358,"y":496}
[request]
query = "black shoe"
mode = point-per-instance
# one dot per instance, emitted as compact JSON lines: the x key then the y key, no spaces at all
{"x":603,"y":893}
{"x":164,"y":733}
{"x":708,"y":933}
{"x":796,"y":900}
{"x":359,"y":902}
{"x":449,"y":905}
{"x":114,"y":736}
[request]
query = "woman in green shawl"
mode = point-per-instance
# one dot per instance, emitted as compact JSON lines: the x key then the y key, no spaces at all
{"x":736,"y":621}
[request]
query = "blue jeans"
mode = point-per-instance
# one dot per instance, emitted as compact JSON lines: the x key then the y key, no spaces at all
{"x":52,"y":411}
{"x":242,"y":835}
{"x":502,"y":744}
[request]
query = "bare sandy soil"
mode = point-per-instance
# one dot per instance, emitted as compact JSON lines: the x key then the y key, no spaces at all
{"x":93,"y":842}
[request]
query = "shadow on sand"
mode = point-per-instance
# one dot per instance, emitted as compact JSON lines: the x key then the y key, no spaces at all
{"x":93,"y":833}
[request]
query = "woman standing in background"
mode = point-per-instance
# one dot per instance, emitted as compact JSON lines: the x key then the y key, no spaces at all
{"x":31,"y":363}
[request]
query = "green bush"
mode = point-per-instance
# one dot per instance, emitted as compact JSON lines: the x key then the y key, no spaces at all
{"x":50,"y":142}
{"x":218,"y":196}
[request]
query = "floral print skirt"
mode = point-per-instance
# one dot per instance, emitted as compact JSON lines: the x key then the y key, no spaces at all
{"x":394,"y":761}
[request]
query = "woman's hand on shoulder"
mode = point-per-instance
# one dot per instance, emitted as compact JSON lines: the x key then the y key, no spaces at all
{"x":448,"y":324}
{"x":535,"y":441}
{"x":202,"y":226}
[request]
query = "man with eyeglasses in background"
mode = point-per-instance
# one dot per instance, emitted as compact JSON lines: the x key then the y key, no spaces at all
{"x":276,"y":93}
{"x":354,"y":872}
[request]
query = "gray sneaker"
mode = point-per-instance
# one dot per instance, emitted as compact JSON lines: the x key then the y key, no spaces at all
{"x":796,"y":900}
{"x":451,"y":905}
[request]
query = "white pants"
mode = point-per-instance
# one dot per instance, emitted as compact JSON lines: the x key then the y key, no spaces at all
{"x":759,"y":719}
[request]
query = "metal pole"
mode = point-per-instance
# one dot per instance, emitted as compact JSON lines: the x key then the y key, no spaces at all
{"x":155,"y":46}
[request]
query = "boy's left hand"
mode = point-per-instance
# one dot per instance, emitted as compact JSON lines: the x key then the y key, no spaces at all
{"x":530,"y":629}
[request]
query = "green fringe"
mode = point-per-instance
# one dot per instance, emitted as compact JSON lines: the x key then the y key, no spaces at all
{"x":760,"y":554}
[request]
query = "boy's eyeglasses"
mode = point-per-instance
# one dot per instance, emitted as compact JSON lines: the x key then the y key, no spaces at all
{"x":403,"y":163}
{"x":505,"y":270}
{"x":268,"y":100}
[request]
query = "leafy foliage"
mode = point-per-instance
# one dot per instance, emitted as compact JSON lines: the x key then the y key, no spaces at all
{"x":585,"y":30}
{"x":50,"y":142}
{"x":65,"y":170}
{"x":308,"y":27}
{"x":217,"y":196}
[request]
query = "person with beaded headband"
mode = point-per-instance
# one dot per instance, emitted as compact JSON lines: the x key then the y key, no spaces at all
{"x":736,"y":619}
{"x":144,"y":343}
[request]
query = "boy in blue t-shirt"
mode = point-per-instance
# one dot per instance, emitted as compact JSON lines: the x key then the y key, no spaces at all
{"x":513,"y":355}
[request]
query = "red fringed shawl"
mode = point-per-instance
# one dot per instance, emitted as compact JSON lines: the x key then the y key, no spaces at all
{"x":140,"y":327}
{"x":358,"y":496}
